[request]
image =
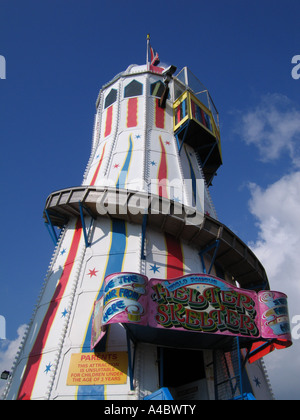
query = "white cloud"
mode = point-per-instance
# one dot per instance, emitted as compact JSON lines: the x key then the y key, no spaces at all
{"x":8,"y":350}
{"x":274,"y":127}
{"x":277,"y":209}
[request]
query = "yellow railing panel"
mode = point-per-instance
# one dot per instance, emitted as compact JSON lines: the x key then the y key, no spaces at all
{"x":188,"y":107}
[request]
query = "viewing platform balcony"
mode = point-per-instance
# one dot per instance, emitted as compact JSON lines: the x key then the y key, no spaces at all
{"x":196,"y":122}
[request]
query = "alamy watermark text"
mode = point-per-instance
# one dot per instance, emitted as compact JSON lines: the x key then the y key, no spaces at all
{"x":2,"y":328}
{"x":296,"y":68}
{"x":2,"y":67}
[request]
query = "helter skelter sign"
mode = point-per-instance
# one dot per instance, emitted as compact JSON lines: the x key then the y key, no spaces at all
{"x":196,"y":303}
{"x":202,"y":304}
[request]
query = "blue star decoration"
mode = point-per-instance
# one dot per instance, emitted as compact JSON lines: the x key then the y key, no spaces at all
{"x":64,"y":313}
{"x":257,"y":382}
{"x":48,"y":368}
{"x":63,"y":251}
{"x":153,"y":163}
{"x":138,"y":136}
{"x":154,"y":268}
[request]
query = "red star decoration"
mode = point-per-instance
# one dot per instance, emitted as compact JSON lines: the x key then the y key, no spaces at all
{"x":92,"y":273}
{"x":116,"y":165}
{"x":168,"y":143}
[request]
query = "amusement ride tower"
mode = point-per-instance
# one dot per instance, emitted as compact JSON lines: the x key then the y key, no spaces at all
{"x":111,"y":321}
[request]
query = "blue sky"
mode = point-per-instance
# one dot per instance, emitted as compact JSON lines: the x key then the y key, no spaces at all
{"x":58,"y":55}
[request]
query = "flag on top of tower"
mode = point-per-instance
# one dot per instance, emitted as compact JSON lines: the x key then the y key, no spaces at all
{"x":154,"y":58}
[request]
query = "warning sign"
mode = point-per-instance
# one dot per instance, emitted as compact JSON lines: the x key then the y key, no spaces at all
{"x":98,"y":368}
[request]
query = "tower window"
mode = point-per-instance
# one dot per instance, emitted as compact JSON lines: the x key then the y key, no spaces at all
{"x":134,"y":88}
{"x":111,"y":98}
{"x":157,"y":89}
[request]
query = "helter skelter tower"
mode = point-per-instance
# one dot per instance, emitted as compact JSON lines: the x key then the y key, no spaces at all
{"x":148,"y":295}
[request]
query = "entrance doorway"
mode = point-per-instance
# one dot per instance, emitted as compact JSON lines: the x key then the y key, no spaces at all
{"x":182,"y":371}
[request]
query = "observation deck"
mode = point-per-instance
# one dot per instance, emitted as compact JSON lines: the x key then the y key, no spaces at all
{"x":196,"y":122}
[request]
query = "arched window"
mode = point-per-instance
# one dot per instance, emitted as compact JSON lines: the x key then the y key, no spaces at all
{"x":111,"y":98}
{"x":134,"y":88}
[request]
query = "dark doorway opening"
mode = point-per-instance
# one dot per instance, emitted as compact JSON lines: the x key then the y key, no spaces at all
{"x":180,"y":367}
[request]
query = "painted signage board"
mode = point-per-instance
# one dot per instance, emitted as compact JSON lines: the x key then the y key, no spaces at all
{"x":197,"y":303}
{"x":124,"y":300}
{"x":109,"y":368}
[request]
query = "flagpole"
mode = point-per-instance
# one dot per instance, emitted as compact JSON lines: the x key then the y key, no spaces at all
{"x":147,"y":54}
